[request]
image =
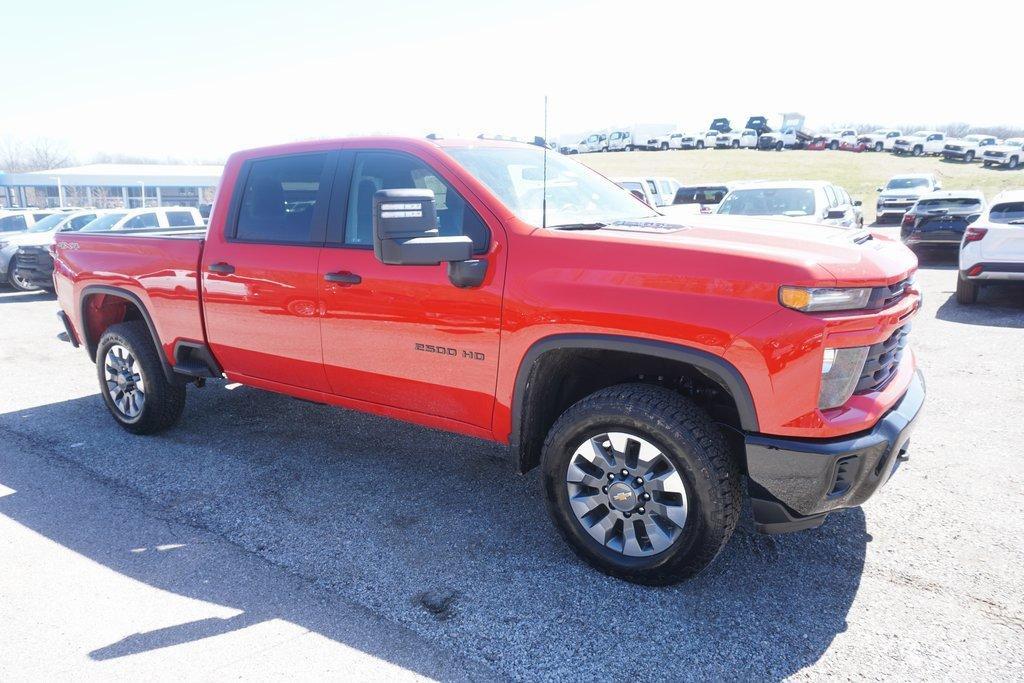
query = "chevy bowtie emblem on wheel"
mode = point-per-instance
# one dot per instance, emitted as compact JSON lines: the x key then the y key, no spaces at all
{"x":625,"y":495}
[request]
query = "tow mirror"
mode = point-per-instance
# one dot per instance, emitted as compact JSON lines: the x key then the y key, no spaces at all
{"x":405,"y":230}
{"x":878,"y":189}
{"x":857,"y":202}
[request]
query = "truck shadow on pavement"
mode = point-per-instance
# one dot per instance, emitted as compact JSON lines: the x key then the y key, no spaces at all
{"x":402,"y":542}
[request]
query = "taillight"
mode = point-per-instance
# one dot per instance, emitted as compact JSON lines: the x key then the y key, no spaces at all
{"x":974,"y":234}
{"x":908,"y":220}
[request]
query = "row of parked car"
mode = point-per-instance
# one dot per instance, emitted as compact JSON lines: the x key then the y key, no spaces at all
{"x":26,"y":235}
{"x":988,"y":238}
{"x":757,"y":134}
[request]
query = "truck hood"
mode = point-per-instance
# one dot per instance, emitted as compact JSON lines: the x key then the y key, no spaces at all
{"x":1002,"y":148}
{"x":804,"y":251}
{"x":33,"y":239}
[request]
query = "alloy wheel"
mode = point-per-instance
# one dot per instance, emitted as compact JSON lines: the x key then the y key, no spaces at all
{"x":125,"y":383}
{"x":626,"y":493}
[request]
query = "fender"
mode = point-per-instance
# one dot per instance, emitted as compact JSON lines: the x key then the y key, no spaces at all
{"x":91,"y":344}
{"x":718,"y":369}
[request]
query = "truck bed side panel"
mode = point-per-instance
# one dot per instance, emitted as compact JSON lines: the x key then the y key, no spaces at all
{"x":160,"y":271}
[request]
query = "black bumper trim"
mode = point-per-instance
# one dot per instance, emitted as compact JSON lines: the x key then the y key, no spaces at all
{"x":796,"y":482}
{"x":68,"y":329}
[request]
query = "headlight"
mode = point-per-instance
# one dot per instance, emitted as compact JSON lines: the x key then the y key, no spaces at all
{"x":840,"y":372}
{"x":813,"y":299}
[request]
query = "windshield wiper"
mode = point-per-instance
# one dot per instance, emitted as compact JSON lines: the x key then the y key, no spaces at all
{"x":578,"y":226}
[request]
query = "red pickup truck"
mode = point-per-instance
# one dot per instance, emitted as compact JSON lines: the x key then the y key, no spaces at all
{"x":502,"y":291}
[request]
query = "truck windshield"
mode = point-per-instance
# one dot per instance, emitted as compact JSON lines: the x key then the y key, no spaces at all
{"x":769,"y":201}
{"x":49,"y":223}
{"x":906,"y":183}
{"x":575,"y":194}
{"x":103,"y":223}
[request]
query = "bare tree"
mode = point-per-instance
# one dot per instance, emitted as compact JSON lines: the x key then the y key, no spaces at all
{"x":36,"y":154}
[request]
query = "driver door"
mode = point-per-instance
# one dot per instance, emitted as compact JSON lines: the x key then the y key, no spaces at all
{"x":404,"y":336}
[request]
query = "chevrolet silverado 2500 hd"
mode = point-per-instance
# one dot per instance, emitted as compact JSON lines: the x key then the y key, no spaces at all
{"x":648,"y":365}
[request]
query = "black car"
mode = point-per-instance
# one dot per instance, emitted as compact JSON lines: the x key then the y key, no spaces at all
{"x":941,"y":218}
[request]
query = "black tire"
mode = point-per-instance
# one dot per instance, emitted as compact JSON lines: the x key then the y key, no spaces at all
{"x":879,"y":146}
{"x":700,"y":144}
{"x":834,"y":145}
{"x":779,"y":146}
{"x":164,"y":401}
{"x":13,"y":281}
{"x":664,"y":147}
{"x":694,"y":445}
{"x":1013,"y":163}
{"x":918,"y":151}
{"x":987,"y":164}
{"x":969,"y":157}
{"x":966,"y":290}
{"x":735,"y":144}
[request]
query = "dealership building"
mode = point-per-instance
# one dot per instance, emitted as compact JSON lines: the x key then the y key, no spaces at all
{"x":110,"y":186}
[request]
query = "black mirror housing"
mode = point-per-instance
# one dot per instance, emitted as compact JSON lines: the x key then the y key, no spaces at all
{"x":405,"y":230}
{"x":834,"y":214}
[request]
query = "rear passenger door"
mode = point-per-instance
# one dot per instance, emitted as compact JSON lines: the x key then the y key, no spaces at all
{"x":405,"y":336}
{"x":259,"y":272}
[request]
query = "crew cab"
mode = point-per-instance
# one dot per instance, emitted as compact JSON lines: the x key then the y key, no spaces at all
{"x":647,"y":366}
{"x":902,"y":192}
{"x":39,"y":235}
{"x":967,"y":148}
{"x":697,"y":199}
{"x":940,"y":219}
{"x":681,"y":141}
{"x":816,"y":202}
{"x":779,"y":140}
{"x":880,"y":140}
{"x":1009,"y":155}
{"x":920,"y":143}
{"x":992,"y":248}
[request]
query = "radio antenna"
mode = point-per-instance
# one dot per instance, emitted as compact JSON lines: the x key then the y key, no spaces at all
{"x":544,"y":182}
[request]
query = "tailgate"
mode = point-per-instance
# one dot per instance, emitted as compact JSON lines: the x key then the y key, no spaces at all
{"x":1003,"y":243}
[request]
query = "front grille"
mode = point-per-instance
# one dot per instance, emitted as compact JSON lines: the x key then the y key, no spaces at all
{"x":882,"y":362}
{"x":887,"y":295}
{"x":28,"y":258}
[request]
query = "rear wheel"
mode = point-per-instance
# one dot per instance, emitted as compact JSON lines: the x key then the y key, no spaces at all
{"x":966,"y":290}
{"x":640,"y":482}
{"x":132,"y":380}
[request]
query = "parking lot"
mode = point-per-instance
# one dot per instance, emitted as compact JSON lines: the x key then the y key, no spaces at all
{"x":266,"y":535}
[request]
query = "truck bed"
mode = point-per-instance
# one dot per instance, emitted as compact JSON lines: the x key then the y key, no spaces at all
{"x":159,"y":268}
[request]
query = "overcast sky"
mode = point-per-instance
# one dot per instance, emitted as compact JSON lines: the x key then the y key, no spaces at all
{"x":201,"y":79}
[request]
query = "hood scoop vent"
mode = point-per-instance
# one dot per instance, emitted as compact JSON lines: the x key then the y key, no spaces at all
{"x":863,"y":238}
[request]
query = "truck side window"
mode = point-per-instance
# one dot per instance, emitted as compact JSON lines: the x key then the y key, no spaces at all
{"x":143,"y":220}
{"x":279,"y":199}
{"x":391,"y":171}
{"x":12,"y":223}
{"x":177,"y":219}
{"x":79,"y":222}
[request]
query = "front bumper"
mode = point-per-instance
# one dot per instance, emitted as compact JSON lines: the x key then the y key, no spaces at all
{"x":960,"y":156}
{"x":795,"y":483}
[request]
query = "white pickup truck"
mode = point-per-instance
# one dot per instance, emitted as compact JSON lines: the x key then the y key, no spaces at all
{"x":968,"y":148}
{"x":880,"y":140}
{"x":737,"y":138}
{"x":921,"y":142}
{"x":654,"y":191}
{"x":836,"y":138}
{"x":682,"y":141}
{"x":1009,"y":154}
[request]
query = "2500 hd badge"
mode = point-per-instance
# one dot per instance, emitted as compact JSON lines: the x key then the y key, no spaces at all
{"x":449,"y":351}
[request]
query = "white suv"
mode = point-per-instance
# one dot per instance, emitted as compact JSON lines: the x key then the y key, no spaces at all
{"x":921,"y":142}
{"x":992,"y":249}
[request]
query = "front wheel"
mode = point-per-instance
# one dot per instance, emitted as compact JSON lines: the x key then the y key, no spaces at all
{"x":735,"y":144}
{"x":969,"y":157}
{"x":918,"y":151}
{"x":966,"y":290}
{"x":700,"y":144}
{"x":879,"y":146}
{"x":641,"y":484}
{"x":18,"y":282}
{"x":833,"y":145}
{"x":1014,"y":162}
{"x":132,"y":380}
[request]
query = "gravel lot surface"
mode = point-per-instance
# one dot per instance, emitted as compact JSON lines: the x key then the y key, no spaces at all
{"x":265,"y":536}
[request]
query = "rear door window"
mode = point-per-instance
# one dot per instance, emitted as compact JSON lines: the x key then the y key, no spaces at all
{"x":1008,"y":212}
{"x":13,"y":223}
{"x":143,"y":220}
{"x":78,"y":222}
{"x":280,"y":200}
{"x":178,"y":219}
